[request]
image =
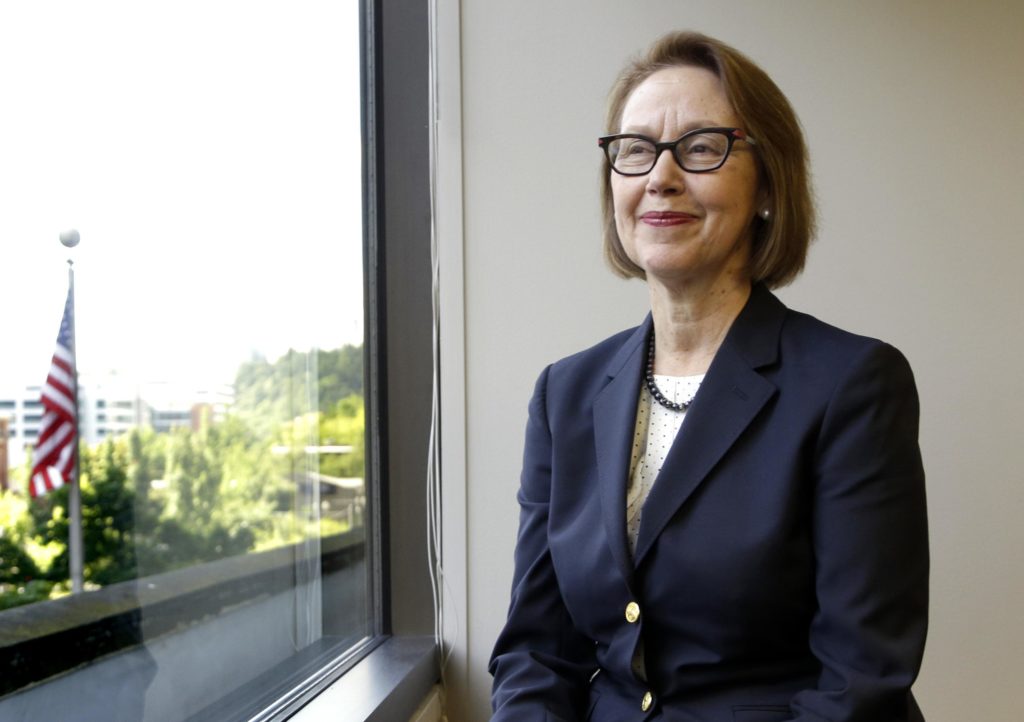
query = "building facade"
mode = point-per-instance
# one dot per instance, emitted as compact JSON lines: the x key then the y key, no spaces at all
{"x":108,"y":406}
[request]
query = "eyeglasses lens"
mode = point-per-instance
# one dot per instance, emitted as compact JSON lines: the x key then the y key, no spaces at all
{"x":632,"y":155}
{"x":697,"y":152}
{"x":702,"y":151}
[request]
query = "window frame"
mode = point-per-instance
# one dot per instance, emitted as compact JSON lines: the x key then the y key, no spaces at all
{"x":390,"y":672}
{"x":400,"y":666}
{"x":394,"y":671}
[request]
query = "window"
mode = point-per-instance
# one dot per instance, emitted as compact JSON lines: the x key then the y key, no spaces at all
{"x":212,"y":167}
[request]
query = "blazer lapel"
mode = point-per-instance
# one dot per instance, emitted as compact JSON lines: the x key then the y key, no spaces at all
{"x":730,"y":396}
{"x":614,"y":424}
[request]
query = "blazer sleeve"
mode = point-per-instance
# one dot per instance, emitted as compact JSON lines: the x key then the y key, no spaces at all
{"x":541,"y":664}
{"x":871,"y":547}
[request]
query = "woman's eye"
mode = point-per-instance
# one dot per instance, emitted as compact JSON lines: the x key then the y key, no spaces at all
{"x":704,"y":146}
{"x":699,"y":149}
{"x":635,"y":149}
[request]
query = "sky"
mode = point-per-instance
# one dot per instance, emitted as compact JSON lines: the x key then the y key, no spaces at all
{"x":208,"y":152}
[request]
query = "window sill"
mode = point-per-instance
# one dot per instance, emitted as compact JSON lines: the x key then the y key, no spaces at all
{"x":385,"y":686}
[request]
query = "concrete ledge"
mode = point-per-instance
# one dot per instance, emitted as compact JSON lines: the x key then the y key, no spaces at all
{"x":47,"y":639}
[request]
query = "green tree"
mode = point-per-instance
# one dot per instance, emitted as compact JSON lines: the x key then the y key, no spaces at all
{"x":340,"y":372}
{"x":269,"y":394}
{"x":108,"y":518}
{"x":344,"y":425}
{"x":16,"y":567}
{"x":155,"y":502}
{"x":19,"y":576}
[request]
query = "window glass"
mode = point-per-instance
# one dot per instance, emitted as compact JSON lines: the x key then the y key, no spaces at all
{"x":209,"y":154}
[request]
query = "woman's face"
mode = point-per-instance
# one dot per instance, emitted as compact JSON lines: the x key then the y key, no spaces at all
{"x":686,"y":227}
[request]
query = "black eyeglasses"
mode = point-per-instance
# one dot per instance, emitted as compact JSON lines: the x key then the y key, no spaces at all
{"x":699,"y":151}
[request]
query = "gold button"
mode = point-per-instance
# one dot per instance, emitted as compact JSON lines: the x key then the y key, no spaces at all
{"x":648,"y":700}
{"x":632,"y":612}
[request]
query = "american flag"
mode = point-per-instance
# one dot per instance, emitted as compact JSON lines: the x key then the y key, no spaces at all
{"x":53,"y":461}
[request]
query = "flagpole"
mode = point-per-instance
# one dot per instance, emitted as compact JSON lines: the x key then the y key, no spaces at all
{"x":75,"y":555}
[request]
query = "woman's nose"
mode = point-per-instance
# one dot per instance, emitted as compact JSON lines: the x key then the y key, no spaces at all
{"x":666,"y":177}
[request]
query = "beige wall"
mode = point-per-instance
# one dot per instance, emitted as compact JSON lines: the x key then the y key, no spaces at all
{"x":913,"y":112}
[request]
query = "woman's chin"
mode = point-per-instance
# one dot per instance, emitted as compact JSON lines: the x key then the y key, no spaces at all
{"x":660,"y":267}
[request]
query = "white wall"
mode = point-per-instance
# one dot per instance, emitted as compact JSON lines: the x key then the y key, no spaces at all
{"x":913,"y":112}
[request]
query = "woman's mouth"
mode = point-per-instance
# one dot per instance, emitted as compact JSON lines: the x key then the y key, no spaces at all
{"x":667,"y":218}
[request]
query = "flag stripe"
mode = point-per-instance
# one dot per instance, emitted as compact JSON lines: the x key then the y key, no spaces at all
{"x":65,"y":458}
{"x":53,"y":441}
{"x":54,"y":479}
{"x":59,"y":401}
{"x":63,"y":356}
{"x":53,"y":459}
{"x":62,"y":377}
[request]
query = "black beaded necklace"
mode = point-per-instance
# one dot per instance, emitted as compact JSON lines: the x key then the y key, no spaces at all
{"x":653,"y":387}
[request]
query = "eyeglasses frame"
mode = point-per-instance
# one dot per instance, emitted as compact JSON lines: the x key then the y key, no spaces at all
{"x":731,"y":134}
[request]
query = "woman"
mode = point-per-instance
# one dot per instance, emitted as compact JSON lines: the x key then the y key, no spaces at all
{"x":722,"y":510}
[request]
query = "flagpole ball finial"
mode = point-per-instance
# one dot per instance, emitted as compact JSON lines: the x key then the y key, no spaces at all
{"x":70,"y":238}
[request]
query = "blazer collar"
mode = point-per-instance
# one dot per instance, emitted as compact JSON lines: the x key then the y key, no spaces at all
{"x":730,"y":396}
{"x":614,"y":422}
{"x":754,"y":335}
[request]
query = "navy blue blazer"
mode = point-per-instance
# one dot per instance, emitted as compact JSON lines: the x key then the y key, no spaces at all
{"x":781,"y":569}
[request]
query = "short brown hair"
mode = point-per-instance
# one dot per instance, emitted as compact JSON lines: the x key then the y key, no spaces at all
{"x":779,"y":245}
